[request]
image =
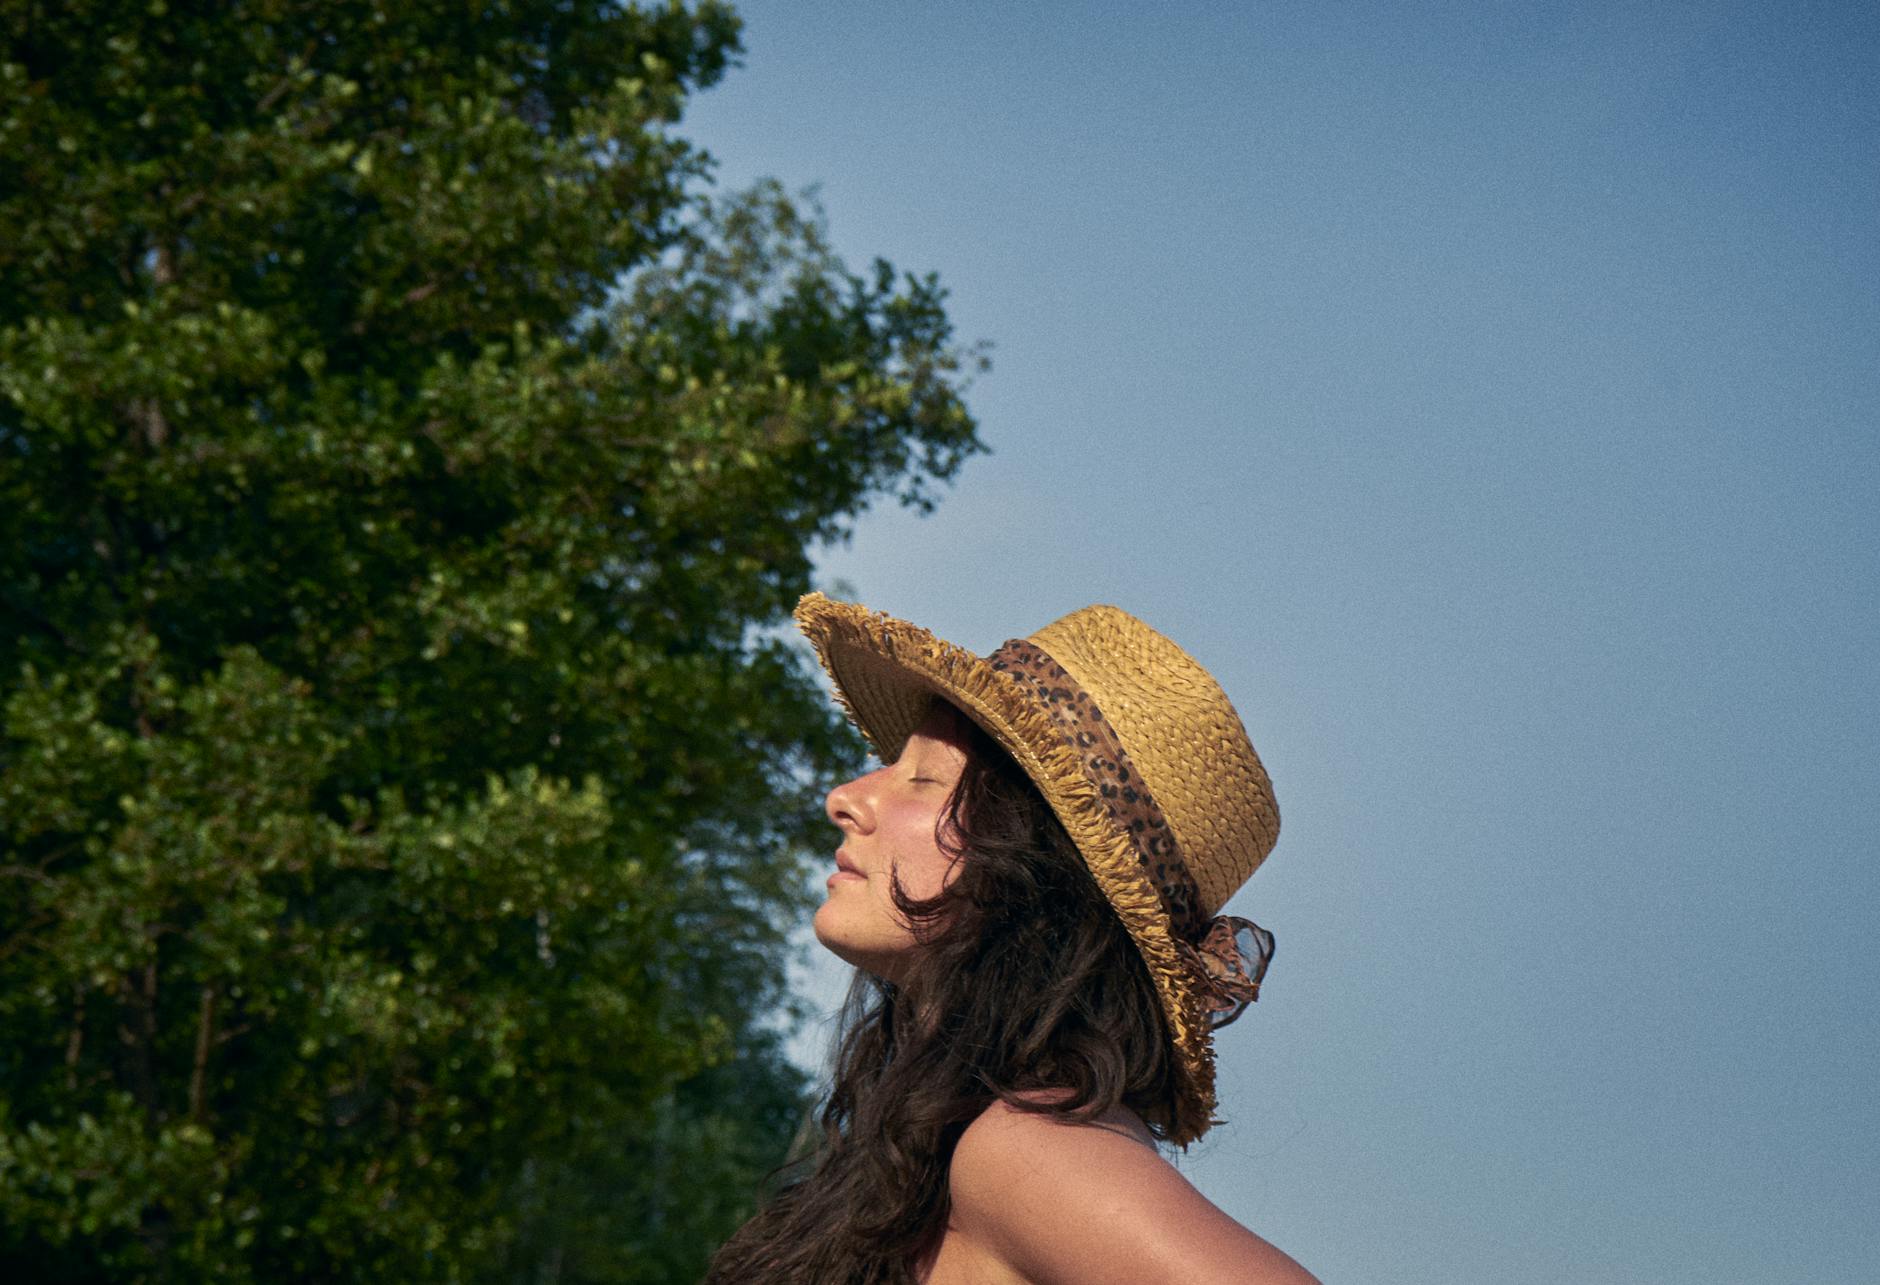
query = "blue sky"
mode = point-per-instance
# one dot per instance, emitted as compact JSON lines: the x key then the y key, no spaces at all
{"x":1490,"y":396}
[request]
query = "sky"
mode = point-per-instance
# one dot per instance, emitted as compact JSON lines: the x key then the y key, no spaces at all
{"x":1489,"y":395}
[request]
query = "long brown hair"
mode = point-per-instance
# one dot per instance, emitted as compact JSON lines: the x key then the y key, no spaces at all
{"x":1030,"y":992}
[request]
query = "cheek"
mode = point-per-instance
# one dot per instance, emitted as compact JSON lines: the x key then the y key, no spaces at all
{"x":925,"y":874}
{"x":922,"y":866}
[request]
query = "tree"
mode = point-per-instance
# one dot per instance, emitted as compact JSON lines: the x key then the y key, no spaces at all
{"x":405,"y":464}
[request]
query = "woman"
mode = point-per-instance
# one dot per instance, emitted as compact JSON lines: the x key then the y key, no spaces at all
{"x":1025,"y":889}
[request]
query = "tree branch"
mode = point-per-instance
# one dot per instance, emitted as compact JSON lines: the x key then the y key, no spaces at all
{"x":205,"y":1038}
{"x":75,"y":1041}
{"x":140,"y":1037}
{"x":286,"y":82}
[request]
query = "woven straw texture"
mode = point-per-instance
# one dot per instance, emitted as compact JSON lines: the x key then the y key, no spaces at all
{"x":1174,"y":720}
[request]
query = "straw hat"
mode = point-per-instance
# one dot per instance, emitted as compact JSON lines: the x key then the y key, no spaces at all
{"x":1140,"y":754}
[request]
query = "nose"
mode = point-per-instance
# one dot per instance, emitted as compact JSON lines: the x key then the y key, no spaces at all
{"x":849,"y":807}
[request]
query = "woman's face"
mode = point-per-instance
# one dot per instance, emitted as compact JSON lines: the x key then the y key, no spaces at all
{"x":890,"y":821}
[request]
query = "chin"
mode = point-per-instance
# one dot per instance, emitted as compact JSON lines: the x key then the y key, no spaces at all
{"x":836,"y":932}
{"x":827,"y":925}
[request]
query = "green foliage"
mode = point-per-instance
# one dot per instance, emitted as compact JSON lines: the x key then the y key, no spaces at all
{"x":404,"y":464}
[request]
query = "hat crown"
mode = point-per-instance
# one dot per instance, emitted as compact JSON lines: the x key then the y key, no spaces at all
{"x":1183,"y":737}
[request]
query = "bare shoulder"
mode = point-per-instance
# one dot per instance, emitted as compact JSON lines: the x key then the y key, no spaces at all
{"x":1060,"y":1201}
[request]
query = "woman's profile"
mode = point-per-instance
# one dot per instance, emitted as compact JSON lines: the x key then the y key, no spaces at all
{"x":1028,"y":889}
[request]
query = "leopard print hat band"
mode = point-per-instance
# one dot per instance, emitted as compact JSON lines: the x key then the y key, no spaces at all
{"x":1229,"y":955}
